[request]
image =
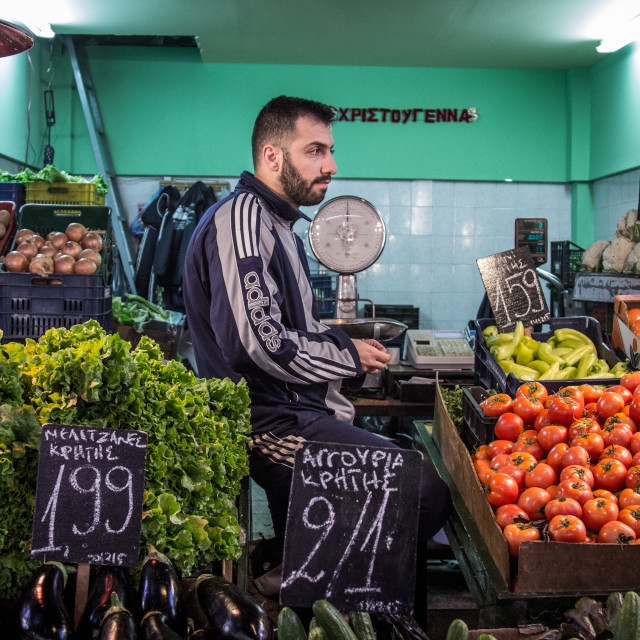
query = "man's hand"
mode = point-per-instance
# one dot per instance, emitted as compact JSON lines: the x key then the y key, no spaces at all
{"x":373,"y":355}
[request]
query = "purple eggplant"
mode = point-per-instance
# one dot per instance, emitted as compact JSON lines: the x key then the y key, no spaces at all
{"x":117,"y":622}
{"x":230,"y":611}
{"x":159,"y":591}
{"x":41,"y":611}
{"x":155,"y":626}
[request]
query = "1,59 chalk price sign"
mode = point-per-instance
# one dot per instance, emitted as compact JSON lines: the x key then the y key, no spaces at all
{"x":513,"y":289}
{"x":352,"y":527}
{"x":89,"y":495}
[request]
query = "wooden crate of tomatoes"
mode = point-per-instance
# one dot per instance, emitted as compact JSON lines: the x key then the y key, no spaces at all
{"x":556,"y":493}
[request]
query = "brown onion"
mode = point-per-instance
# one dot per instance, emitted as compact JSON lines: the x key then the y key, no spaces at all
{"x":28,"y":249}
{"x":15,"y":261}
{"x":3,"y":230}
{"x":57,"y":239}
{"x":23,"y":234}
{"x":71,"y":248}
{"x":42,"y":265}
{"x":92,"y":255}
{"x":64,"y":264}
{"x":5,"y":217}
{"x":76,"y":231}
{"x":37,"y":239}
{"x":85,"y":267}
{"x":48,"y":250}
{"x":92,"y":241}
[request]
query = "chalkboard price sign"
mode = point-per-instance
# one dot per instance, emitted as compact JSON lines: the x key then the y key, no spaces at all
{"x":89,"y":495}
{"x":513,"y":289}
{"x":351,"y":528}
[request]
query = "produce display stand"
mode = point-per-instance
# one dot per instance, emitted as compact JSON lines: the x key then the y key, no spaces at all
{"x":552,"y":576}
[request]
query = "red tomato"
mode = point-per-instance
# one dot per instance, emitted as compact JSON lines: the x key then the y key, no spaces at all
{"x":616,"y":434}
{"x":577,"y":472}
{"x":597,"y":511}
{"x":502,"y":489}
{"x":522,"y":459}
{"x":498,"y":460}
{"x":576,"y":489}
{"x":567,"y":529}
{"x":542,"y":420}
{"x":591,"y":393}
{"x":527,"y":407}
{"x":564,"y":410}
{"x":555,"y":454}
{"x":620,"y":419}
{"x":616,"y":531}
{"x":635,"y":461}
{"x":572,"y":392}
{"x":634,"y":406}
{"x":516,"y":534}
{"x":583,"y":425}
{"x":554,"y":491}
{"x":609,"y":474}
{"x":484,"y":470}
{"x":533,"y":389}
{"x":634,"y":443}
{"x":591,"y":442}
{"x":617,"y":452}
{"x":631,"y":516}
{"x":629,"y":497}
{"x":481,"y":453}
{"x":632,"y":479}
{"x":610,"y":403}
{"x":509,"y":426}
{"x":497,"y":404}
{"x":542,"y":475}
{"x":562,"y":506}
{"x":575,"y":455}
{"x":508,"y":513}
{"x":626,"y":394}
{"x":552,"y":435}
{"x":606,"y":495}
{"x":630,"y":380}
{"x":517,"y":473}
{"x":533,"y":500}
{"x":529,"y":445}
{"x":499,"y":446}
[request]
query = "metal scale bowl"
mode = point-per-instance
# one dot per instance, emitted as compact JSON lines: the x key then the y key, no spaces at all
{"x":347,"y":235}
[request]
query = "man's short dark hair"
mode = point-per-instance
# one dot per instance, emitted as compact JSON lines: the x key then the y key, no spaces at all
{"x":278,"y":117}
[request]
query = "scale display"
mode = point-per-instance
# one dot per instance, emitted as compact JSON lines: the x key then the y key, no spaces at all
{"x":347,"y":234}
{"x":444,"y":349}
{"x":532,"y":233}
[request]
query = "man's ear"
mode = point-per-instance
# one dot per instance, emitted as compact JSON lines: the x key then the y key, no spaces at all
{"x":272,"y":157}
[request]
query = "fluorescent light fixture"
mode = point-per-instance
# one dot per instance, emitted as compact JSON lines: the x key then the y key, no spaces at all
{"x":621,"y":36}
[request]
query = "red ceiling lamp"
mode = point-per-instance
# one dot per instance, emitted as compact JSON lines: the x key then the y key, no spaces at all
{"x":14,"y":39}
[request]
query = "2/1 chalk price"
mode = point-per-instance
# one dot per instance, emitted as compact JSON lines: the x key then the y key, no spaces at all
{"x":89,"y":502}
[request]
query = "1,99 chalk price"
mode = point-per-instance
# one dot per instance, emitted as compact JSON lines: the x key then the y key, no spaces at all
{"x":89,"y":495}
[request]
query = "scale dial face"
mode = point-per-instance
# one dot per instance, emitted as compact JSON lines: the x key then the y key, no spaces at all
{"x":347,"y":234}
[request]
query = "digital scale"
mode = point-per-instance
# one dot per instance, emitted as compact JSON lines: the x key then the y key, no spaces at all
{"x":532,"y":233}
{"x":438,"y":349}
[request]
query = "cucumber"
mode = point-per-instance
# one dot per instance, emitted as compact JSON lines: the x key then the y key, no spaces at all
{"x":332,"y":621}
{"x":360,"y":622}
{"x":458,"y":630}
{"x":628,"y":623}
{"x":290,"y":626}
{"x":317,"y":633}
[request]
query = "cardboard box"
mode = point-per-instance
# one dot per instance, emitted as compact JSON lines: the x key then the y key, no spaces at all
{"x":621,"y":336}
{"x":543,"y":567}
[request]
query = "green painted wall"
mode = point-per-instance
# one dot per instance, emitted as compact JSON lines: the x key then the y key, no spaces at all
{"x":167,"y":113}
{"x":615,"y":110}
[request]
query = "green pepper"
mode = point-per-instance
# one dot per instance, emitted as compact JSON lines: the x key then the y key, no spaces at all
{"x":551,"y":373}
{"x":570,"y":343}
{"x":501,"y":338}
{"x":561,"y":352}
{"x":602,"y":374}
{"x":620,"y":369}
{"x":566,"y":333}
{"x":539,"y":365}
{"x":577,"y":354}
{"x":523,"y":354}
{"x":519,"y":371}
{"x":504,"y":351}
{"x":545,"y":354}
{"x":491,"y":330}
{"x":568,"y":373}
{"x":530,"y":342}
{"x":604,"y":365}
{"x":586,"y":362}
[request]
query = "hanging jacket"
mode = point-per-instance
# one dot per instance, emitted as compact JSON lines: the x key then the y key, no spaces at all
{"x":175,"y":233}
{"x":251,"y":311}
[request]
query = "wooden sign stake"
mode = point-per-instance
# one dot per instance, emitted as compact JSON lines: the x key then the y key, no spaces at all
{"x":82,"y":592}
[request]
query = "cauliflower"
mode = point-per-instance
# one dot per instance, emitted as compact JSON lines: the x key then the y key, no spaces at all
{"x":615,"y":255}
{"x":592,"y":256}
{"x":624,"y":228}
{"x":632,"y":263}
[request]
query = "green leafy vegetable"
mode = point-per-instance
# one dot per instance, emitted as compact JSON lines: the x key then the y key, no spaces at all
{"x":51,"y":174}
{"x":136,"y":311}
{"x":197,"y":440}
{"x":453,"y":399}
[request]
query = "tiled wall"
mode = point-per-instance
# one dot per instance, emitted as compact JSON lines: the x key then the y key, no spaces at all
{"x":612,"y":198}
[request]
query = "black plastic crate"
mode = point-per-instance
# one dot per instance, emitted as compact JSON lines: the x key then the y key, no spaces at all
{"x":566,"y":258}
{"x":32,"y":304}
{"x":322,"y":286}
{"x":488,"y":373}
{"x":13,"y":192}
{"x":477,"y":428}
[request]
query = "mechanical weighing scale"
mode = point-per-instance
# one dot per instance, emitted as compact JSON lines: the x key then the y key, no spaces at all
{"x":347,"y":235}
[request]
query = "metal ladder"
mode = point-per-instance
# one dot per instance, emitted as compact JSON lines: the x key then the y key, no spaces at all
{"x":123,"y":280}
